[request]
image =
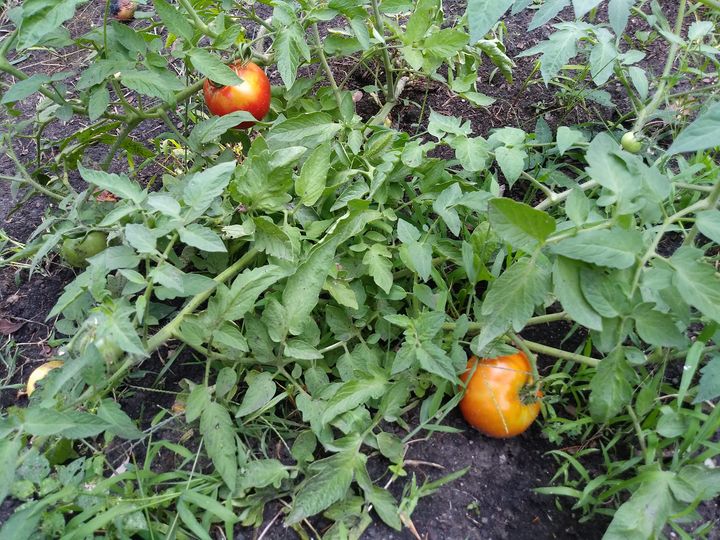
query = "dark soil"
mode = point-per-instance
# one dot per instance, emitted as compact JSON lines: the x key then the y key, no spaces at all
{"x":495,"y":499}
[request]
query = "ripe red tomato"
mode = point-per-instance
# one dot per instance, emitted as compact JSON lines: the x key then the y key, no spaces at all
{"x":252,"y":95}
{"x":493,"y":401}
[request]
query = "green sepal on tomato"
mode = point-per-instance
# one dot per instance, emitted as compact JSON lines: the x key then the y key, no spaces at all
{"x":252,"y":95}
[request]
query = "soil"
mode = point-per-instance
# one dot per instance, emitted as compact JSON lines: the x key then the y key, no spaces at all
{"x":495,"y":499}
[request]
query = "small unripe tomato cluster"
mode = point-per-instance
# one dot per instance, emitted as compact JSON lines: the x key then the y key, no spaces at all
{"x":495,"y":401}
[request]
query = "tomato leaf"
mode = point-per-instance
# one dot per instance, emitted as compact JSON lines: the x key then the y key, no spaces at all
{"x":610,"y":387}
{"x":520,"y":225}
{"x":218,"y":431}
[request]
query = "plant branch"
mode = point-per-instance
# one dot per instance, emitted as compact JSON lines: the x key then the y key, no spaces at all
{"x":326,"y":66}
{"x":660,"y":91}
{"x":551,"y":201}
{"x":389,"y":77}
{"x":199,"y":23}
{"x":559,"y":353}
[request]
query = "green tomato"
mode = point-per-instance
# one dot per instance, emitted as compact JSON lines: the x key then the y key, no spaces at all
{"x":630,"y":143}
{"x":76,"y":251}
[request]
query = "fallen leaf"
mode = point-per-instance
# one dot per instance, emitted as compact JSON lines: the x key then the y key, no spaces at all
{"x":7,"y":327}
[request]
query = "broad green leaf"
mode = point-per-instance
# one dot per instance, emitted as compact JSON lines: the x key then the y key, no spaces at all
{"x":261,"y":389}
{"x":696,"y":281}
{"x":512,"y":297}
{"x":213,"y":68}
{"x":9,"y":449}
{"x":211,"y":129}
{"x":309,"y":129}
{"x":119,"y":423}
{"x":558,"y":49}
{"x":615,"y":248}
{"x":116,"y":184}
{"x":203,"y":238}
{"x":420,"y":20}
{"x":26,"y":87}
{"x":140,"y":237}
{"x":301,"y":350}
{"x":310,"y":184}
{"x":567,"y":137}
{"x":483,"y":14}
{"x":644,"y":515}
{"x":709,"y":387}
{"x":382,"y":500}
{"x":197,"y":401}
{"x":581,"y":7}
{"x":218,"y":432}
{"x":566,"y":282}
{"x":157,"y":84}
{"x":188,"y":518}
{"x":327,"y":482}
{"x":434,"y":360}
{"x":353,"y":394}
{"x":610,"y":171}
{"x":263,"y":473}
{"x":202,"y":188}
{"x":511,"y":162}
{"x":619,"y":14}
{"x":443,"y":206}
{"x":174,"y":20}
{"x":233,"y":303}
{"x":709,"y":224}
{"x":39,"y":18}
{"x":520,"y":225}
{"x":445,"y":43}
{"x":378,"y":261}
{"x":611,"y":387}
{"x":702,"y":133}
{"x":602,"y":57}
{"x":547,"y":12}
{"x":657,"y":328}
{"x":472,"y":152}
{"x":70,"y":424}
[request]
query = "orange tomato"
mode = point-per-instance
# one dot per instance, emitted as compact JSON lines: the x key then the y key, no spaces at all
{"x":252,"y":95}
{"x":493,"y":402}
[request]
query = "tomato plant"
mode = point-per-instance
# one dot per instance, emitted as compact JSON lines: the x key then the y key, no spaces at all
{"x":40,"y":373}
{"x":496,"y":400}
{"x":329,"y":271}
{"x":252,"y":95}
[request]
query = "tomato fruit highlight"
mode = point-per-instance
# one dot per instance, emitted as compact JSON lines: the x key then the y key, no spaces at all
{"x":494,"y":402}
{"x":252,"y":95}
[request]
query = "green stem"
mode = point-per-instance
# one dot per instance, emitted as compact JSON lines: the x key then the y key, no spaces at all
{"x":551,"y":201}
{"x":389,"y":77}
{"x":199,"y":23}
{"x":638,"y":432}
{"x":39,"y":187}
{"x":475,"y":327}
{"x":520,"y":342}
{"x":169,"y":330}
{"x":660,"y":92}
{"x":711,"y":201}
{"x":559,"y":353}
{"x":326,"y":66}
{"x":127,"y":128}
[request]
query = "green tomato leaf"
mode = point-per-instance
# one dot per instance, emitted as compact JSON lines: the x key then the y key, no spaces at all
{"x":218,"y":431}
{"x":520,"y":225}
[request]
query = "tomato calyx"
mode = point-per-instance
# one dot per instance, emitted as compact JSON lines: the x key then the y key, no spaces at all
{"x":530,"y":393}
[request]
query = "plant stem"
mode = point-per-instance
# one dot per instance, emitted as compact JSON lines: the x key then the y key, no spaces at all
{"x":551,"y":201}
{"x":660,"y":91}
{"x":520,"y":342}
{"x":167,"y":331}
{"x":474,"y":328}
{"x":389,"y":77}
{"x":118,"y":142}
{"x":326,"y":66}
{"x":711,"y":201}
{"x":39,"y":187}
{"x":559,"y":353}
{"x":199,"y":23}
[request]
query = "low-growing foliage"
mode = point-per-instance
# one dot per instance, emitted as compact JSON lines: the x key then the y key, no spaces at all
{"x":332,"y":274}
